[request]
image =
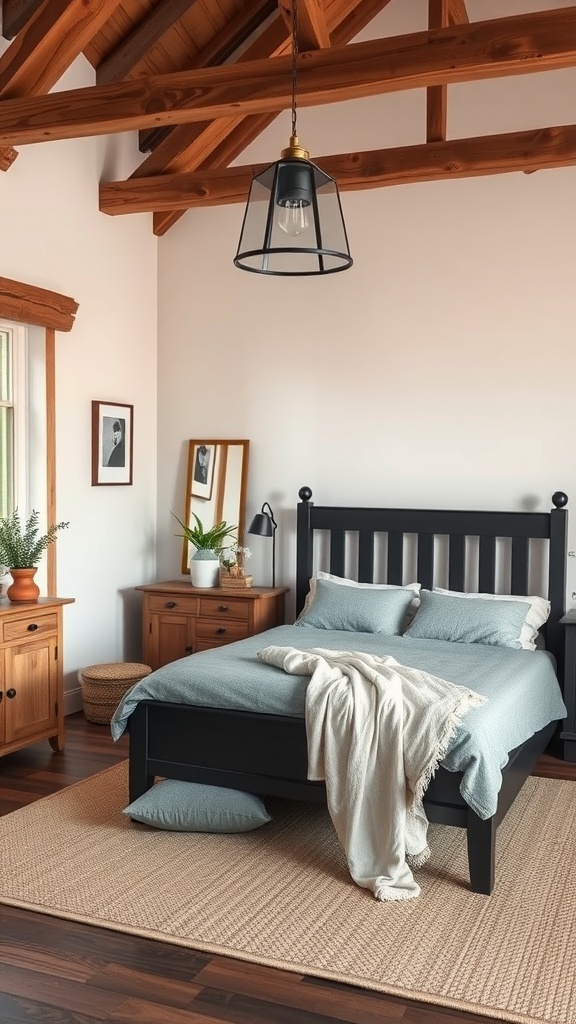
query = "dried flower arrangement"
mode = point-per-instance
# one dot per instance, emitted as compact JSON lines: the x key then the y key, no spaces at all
{"x":232,"y":568}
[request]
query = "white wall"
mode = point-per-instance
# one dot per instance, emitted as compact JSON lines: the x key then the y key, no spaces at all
{"x":438,"y":371}
{"x":54,"y":237}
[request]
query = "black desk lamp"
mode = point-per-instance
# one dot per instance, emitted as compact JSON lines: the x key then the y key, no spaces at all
{"x":264,"y":525}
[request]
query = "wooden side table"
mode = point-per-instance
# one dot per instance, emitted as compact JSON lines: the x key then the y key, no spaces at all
{"x":178,"y":619}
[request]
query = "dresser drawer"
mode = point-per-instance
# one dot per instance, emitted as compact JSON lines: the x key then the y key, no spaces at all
{"x":208,"y":645}
{"x":217,"y":630}
{"x":28,"y":628}
{"x":173,"y":603}
{"x":225,"y":607}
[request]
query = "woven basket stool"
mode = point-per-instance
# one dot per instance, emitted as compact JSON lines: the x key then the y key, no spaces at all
{"x":103,"y":687}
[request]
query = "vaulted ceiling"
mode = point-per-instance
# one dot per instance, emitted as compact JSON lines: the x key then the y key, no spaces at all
{"x":200,"y":79}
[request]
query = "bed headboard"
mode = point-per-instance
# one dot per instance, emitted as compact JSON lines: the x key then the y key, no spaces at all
{"x":443,"y":543}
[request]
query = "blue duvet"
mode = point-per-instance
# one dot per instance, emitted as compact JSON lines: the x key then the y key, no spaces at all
{"x":521,"y":686}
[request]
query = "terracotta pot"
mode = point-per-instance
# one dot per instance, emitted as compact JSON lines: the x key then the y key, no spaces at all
{"x":23,"y":588}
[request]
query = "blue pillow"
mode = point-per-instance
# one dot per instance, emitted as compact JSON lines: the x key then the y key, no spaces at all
{"x":358,"y":609}
{"x":192,"y":807}
{"x":473,"y":621}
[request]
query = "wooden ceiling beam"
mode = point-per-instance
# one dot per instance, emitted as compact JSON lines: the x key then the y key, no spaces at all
{"x":461,"y":53}
{"x":457,"y":13}
{"x":311,"y":27}
{"x":16,"y":14}
{"x":532,"y":150}
{"x":118,"y":64}
{"x":219,"y":50}
{"x":53,"y":38}
{"x":437,"y":95}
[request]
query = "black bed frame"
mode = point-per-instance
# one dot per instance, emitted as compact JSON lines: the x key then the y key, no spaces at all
{"x":267,"y":754}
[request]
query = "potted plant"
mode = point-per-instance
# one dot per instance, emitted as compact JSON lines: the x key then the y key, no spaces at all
{"x":21,"y":548}
{"x":205,"y":562}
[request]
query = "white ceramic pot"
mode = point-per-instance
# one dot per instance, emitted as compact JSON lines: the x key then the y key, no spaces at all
{"x":204,"y":569}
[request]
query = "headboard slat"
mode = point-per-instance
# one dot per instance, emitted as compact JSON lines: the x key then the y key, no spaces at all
{"x":337,"y":552}
{"x":395,"y":558}
{"x":519,"y":572}
{"x":366,"y":557}
{"x":456,"y":561}
{"x":426,"y":560}
{"x":487,"y":565}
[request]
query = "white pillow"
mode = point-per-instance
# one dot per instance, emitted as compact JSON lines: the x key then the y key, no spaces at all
{"x":415,"y":587}
{"x":538,"y":610}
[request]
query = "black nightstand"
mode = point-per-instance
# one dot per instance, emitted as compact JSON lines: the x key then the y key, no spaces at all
{"x":568,"y":734}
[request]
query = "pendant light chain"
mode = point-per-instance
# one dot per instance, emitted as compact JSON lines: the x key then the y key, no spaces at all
{"x":294,"y":61}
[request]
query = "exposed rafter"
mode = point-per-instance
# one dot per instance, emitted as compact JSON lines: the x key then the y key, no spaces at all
{"x":532,"y":150}
{"x":53,"y":38}
{"x":462,"y":53}
{"x":219,"y":50}
{"x":437,"y":95}
{"x":15,"y":15}
{"x":312,"y":29}
{"x":457,"y":13}
{"x":136,"y":44}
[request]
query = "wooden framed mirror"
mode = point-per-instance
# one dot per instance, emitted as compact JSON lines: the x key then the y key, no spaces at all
{"x":215,"y":486}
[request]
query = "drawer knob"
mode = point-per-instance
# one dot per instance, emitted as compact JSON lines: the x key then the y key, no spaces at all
{"x":189,"y":649}
{"x":223,"y":608}
{"x":32,"y":627}
{"x":11,"y":693}
{"x":170,"y":604}
{"x":221,"y":629}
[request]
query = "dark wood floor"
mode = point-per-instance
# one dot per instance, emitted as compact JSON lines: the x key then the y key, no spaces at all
{"x":58,"y":972}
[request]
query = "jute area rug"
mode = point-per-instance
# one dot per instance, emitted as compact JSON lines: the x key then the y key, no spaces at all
{"x":282,"y":896}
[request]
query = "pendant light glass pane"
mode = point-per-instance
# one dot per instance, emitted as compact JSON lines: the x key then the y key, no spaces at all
{"x":293,"y":222}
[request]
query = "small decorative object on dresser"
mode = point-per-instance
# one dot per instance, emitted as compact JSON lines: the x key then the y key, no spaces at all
{"x":21,"y":549}
{"x":233,"y":575}
{"x":205,"y":562}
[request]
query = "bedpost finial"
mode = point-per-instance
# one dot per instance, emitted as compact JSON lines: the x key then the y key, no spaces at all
{"x":305,"y":494}
{"x":559,"y":499}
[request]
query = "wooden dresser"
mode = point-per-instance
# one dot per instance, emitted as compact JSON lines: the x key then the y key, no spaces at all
{"x":178,"y":619}
{"x":31,"y":687}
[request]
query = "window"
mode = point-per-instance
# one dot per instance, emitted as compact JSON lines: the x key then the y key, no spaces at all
{"x":13,"y":417}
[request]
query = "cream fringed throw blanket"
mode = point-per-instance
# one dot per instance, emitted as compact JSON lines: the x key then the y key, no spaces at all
{"x":376,"y":733}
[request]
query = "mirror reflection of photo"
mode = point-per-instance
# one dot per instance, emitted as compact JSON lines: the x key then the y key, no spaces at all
{"x":113,"y":441}
{"x":201,"y":464}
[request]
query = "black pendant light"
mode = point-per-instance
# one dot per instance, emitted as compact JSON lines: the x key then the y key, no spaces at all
{"x":293,"y":224}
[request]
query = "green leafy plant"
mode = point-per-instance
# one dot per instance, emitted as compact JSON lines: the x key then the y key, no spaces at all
{"x":205,"y":540}
{"x":20,"y":545}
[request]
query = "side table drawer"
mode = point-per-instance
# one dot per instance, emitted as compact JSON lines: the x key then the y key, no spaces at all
{"x":218,"y":631}
{"x":173,"y":603}
{"x":225,"y":607}
{"x":28,"y":628}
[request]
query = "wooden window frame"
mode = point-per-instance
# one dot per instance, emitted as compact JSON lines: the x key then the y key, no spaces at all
{"x":27,"y":304}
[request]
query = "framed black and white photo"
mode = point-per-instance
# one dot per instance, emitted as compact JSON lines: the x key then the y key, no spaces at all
{"x":112,"y":426}
{"x":203,"y":470}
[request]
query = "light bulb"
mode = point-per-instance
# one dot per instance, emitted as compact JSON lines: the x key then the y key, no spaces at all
{"x":293,"y":217}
